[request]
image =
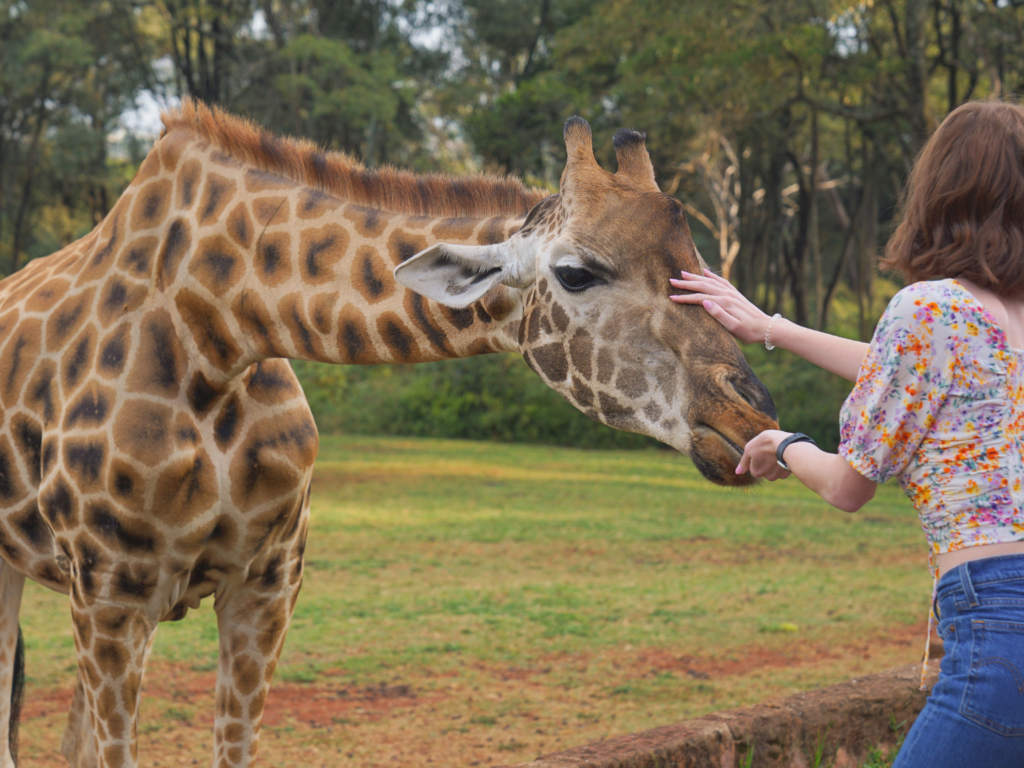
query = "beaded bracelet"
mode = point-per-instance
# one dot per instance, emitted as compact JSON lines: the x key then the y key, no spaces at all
{"x":768,"y":332}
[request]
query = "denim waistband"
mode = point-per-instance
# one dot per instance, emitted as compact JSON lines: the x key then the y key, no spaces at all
{"x":968,"y":577}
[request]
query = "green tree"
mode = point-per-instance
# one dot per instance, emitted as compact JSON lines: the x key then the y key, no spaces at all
{"x":344,"y":73}
{"x":68,"y":71}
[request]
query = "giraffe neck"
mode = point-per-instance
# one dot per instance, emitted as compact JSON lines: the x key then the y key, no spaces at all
{"x":253,"y":266}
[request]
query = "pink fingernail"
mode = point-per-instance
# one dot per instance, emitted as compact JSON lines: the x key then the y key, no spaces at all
{"x":739,"y":471}
{"x":708,"y":303}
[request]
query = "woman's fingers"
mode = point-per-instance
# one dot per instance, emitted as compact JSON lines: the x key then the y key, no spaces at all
{"x":697,"y":286}
{"x":759,"y":457}
{"x":688,"y":298}
{"x":721,"y":315}
{"x":717,"y":278}
{"x":691,"y":281}
{"x":724,"y":302}
{"x":714,"y":308}
{"x":700,"y":289}
{"x":744,"y":464}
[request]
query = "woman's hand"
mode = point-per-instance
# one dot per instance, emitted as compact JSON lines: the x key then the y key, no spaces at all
{"x":759,"y":456}
{"x":724,"y":303}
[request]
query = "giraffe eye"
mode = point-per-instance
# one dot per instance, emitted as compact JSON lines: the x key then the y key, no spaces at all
{"x":575,"y":279}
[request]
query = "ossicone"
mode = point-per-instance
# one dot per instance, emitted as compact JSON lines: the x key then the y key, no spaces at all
{"x":578,"y":142}
{"x":634,"y":160}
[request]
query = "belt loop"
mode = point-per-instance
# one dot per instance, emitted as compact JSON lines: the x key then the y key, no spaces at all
{"x":965,"y":582}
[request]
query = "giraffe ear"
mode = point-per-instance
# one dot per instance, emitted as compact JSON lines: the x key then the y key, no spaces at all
{"x":458,"y":275}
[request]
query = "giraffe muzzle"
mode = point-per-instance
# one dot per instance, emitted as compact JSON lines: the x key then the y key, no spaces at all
{"x":720,"y":431}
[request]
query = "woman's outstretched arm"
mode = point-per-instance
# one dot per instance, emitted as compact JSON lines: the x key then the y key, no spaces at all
{"x":827,"y":474}
{"x":748,"y":324}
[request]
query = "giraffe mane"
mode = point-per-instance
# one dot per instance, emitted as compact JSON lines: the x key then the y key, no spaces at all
{"x":342,"y":176}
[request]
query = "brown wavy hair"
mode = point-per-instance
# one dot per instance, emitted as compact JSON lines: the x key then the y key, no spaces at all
{"x":963,"y":210}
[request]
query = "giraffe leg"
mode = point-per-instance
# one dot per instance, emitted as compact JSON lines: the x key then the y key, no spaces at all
{"x":78,"y":744}
{"x":252,"y":625}
{"x":11,"y":662}
{"x":112,"y":641}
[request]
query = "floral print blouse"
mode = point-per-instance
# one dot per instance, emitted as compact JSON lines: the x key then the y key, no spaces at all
{"x":939,"y":403}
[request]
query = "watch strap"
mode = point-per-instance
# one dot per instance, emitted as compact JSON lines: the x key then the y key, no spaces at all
{"x":796,"y":437}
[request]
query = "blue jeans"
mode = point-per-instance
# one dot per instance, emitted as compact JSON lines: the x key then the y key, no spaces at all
{"x":975,"y":714}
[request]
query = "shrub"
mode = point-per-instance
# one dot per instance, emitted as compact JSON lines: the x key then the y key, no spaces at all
{"x":493,"y":397}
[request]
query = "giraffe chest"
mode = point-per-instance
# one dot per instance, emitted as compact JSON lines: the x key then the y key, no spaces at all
{"x":129,"y":495}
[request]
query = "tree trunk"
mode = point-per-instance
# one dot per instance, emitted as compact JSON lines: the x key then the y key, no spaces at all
{"x":2,"y":148}
{"x":916,"y":32}
{"x":30,"y":168}
{"x":813,"y":224}
{"x":867,"y":241}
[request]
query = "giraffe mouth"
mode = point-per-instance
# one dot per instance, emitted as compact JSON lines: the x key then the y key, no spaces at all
{"x":724,"y":438}
{"x":716,"y":456}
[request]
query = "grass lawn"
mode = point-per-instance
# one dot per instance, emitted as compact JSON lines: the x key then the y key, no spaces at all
{"x":479,"y":604}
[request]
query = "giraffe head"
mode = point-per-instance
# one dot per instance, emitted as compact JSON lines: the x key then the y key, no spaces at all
{"x":589,"y":273}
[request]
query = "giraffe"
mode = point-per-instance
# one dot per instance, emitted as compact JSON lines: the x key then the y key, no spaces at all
{"x":156,"y":448}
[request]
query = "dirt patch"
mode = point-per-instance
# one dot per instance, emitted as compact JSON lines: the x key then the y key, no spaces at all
{"x":320,"y":707}
{"x":756,"y":657}
{"x":47,"y":702}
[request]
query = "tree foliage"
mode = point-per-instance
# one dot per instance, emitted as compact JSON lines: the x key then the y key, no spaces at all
{"x":786,"y":128}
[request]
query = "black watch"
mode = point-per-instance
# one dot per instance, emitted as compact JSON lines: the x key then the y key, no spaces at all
{"x":796,"y":437}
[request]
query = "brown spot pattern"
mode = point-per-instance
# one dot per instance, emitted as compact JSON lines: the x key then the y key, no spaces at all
{"x":402,"y":246}
{"x":47,"y":295}
{"x":151,"y":205}
{"x":371,"y":276}
{"x":320,"y":250}
{"x":397,"y":337}
{"x":321,"y":310}
{"x":175,"y":245}
{"x":188,"y":184}
{"x":209,"y":329}
{"x":240,"y":225}
{"x":160,"y":359}
{"x":270,"y":210}
{"x":137,"y":257}
{"x":216,"y":265}
{"x":273,"y":260}
{"x":142,"y":430}
{"x":217,"y":194}
{"x":187,"y":488}
{"x":65,"y":320}
{"x":353,"y":338}
{"x":552,"y":362}
{"x":304,"y":338}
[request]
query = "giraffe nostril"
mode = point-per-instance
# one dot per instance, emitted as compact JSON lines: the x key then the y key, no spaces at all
{"x":743,"y":395}
{"x":754,"y":394}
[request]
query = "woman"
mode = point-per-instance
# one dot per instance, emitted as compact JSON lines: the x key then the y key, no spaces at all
{"x":939,"y":404}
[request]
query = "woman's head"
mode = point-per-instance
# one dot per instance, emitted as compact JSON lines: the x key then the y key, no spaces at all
{"x":963,"y":214}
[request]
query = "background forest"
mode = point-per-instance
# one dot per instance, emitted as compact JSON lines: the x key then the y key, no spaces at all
{"x":786,"y":129}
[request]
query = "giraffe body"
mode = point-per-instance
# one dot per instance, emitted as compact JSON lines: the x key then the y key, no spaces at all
{"x":156,"y":448}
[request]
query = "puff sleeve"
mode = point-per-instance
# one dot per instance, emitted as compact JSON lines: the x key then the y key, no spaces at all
{"x":902,"y":383}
